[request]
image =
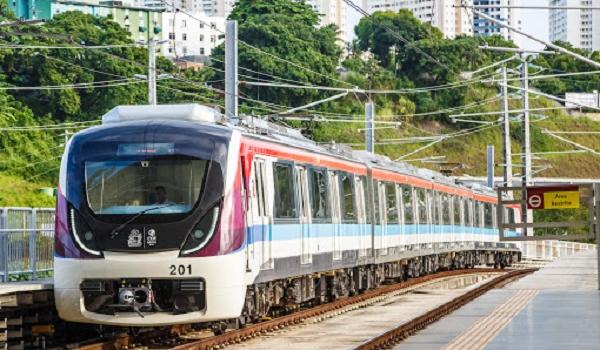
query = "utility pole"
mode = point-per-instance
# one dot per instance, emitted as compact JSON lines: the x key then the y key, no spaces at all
{"x":369,"y":130}
{"x":151,"y":72}
{"x":490,"y":166}
{"x":506,"y":132}
{"x":526,"y":146}
{"x":231,"y":71}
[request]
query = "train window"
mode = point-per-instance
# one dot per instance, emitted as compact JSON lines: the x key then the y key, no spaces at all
{"x":365,"y":187}
{"x":259,"y":187}
{"x":377,"y":211}
{"x":422,"y":203}
{"x":510,"y":216}
{"x":391,"y":203}
{"x":446,"y":209}
{"x":487,"y":215}
{"x":318,"y":194}
{"x":470,"y":213}
{"x":285,"y":196}
{"x":408,"y":205}
{"x":435,"y":212}
{"x":347,"y":197}
{"x":457,"y":204}
{"x":477,"y":214}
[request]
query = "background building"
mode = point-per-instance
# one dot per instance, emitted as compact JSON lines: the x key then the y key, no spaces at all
{"x":443,"y":14}
{"x":142,"y":23}
{"x":191,"y":35}
{"x":485,"y":27}
{"x":581,"y":28}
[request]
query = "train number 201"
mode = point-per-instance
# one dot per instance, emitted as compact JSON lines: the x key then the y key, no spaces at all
{"x":181,"y":270}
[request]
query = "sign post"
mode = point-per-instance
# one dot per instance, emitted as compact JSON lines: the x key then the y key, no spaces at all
{"x":552,"y":198}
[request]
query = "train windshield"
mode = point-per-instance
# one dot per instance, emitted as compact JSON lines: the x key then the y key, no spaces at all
{"x":154,"y":185}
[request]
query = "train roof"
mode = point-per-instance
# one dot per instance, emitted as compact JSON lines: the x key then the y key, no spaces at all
{"x":262,"y":129}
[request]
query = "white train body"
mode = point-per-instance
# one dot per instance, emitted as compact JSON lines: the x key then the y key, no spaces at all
{"x":254,"y":222}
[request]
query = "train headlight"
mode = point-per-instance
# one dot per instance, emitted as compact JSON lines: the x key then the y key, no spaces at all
{"x":202,"y":232}
{"x":82,"y":233}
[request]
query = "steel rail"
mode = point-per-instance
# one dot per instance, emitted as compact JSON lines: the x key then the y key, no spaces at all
{"x":396,"y":335}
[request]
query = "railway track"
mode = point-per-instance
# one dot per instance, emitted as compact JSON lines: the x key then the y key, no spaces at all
{"x":187,"y":338}
{"x":399,"y":333}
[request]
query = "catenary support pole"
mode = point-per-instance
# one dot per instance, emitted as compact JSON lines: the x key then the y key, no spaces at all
{"x":369,"y":131}
{"x":231,"y":71}
{"x":490,"y":166}
{"x":507,"y":152}
{"x":526,"y":146}
{"x":151,"y":72}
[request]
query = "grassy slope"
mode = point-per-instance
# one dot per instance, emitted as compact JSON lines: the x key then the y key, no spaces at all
{"x":470,"y":150}
{"x":17,"y":192}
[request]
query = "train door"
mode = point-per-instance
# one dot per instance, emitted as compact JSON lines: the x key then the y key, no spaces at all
{"x":335,"y":215}
{"x":364,"y":229}
{"x":263,"y":217}
{"x":305,"y":220}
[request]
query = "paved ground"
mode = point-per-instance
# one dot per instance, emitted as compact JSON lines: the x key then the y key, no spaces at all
{"x":348,"y":330}
{"x":558,"y":307}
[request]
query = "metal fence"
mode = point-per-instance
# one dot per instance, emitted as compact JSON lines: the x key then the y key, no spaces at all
{"x":26,"y":243}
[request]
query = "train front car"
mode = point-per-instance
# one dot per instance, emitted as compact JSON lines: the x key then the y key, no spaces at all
{"x":149,"y":223}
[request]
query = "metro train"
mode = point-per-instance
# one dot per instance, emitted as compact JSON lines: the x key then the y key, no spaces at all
{"x":170,"y":214}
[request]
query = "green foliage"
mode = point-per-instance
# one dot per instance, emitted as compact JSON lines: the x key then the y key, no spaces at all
{"x":562,"y":63}
{"x":289,"y":30}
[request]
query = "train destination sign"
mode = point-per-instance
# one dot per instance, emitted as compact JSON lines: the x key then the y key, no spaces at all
{"x":553,"y":197}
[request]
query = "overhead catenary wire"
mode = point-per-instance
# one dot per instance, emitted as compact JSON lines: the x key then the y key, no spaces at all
{"x":70,"y":47}
{"x":571,"y":142}
{"x":96,"y":84}
{"x":368,"y":91}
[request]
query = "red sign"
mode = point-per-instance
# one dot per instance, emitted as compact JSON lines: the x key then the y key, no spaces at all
{"x":552,"y":197}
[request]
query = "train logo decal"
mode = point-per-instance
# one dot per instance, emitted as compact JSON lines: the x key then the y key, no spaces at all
{"x":151,"y":237}
{"x":135,"y":239}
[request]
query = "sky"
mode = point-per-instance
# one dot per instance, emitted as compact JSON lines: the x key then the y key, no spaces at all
{"x":534,"y":22}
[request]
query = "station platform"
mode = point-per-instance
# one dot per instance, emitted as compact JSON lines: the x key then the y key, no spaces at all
{"x":557,"y":307}
{"x":25,"y":286}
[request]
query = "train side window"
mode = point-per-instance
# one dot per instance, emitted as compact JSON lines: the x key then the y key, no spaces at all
{"x":259,"y":188}
{"x":407,"y":198}
{"x":511,"y":215}
{"x":377,"y":211}
{"x":487,"y":215}
{"x":445,"y":209}
{"x":477,"y":215}
{"x":457,"y":204}
{"x":422,"y":203}
{"x":347,"y":197}
{"x":285,"y":195}
{"x":391,"y":203}
{"x":470,"y":213}
{"x":435,"y":212}
{"x":365,"y":187}
{"x":318,"y":194}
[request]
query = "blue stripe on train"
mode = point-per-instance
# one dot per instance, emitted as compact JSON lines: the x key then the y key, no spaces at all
{"x":282,"y":232}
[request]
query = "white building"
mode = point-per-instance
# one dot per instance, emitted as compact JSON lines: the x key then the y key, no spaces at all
{"x":191,"y":35}
{"x":332,"y":11}
{"x":485,"y":27}
{"x":219,"y":8}
{"x":443,"y":14}
{"x":581,"y":28}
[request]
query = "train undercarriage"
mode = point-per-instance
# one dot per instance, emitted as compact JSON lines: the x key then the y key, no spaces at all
{"x":282,"y":296}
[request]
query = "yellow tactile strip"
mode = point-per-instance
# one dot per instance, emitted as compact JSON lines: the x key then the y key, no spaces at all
{"x":487,"y":328}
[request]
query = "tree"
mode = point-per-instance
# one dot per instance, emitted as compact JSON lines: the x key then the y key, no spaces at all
{"x":285,"y":35}
{"x":562,"y":63}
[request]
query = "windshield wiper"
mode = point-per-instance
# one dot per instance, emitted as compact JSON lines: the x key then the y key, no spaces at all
{"x":114,"y":233}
